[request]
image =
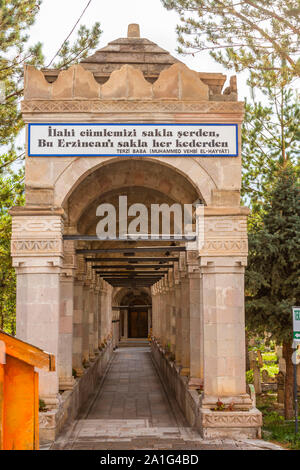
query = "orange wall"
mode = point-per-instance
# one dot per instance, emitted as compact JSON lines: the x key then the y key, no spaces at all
{"x":20,"y":406}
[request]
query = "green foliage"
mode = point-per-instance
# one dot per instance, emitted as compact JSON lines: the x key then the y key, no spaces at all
{"x":259,"y":36}
{"x":249,"y":376}
{"x":86,"y":41}
{"x":16,"y":17}
{"x":276,"y":428}
{"x":270,"y":137}
{"x":273,"y":417}
{"x":42,"y":405}
{"x":273,"y":273}
{"x":270,"y":357}
{"x":272,"y":369}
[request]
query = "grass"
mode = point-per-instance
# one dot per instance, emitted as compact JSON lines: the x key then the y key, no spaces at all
{"x":275,"y":427}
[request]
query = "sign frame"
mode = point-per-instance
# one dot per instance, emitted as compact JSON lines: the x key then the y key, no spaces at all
{"x":296,"y":325}
{"x":30,"y":125}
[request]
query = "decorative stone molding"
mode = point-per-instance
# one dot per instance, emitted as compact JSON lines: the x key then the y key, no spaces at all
{"x":36,"y":225}
{"x":177,"y":82}
{"x":225,"y":247}
{"x":36,"y":238}
{"x":20,"y":247}
{"x":225,"y":224}
{"x":229,"y":419}
{"x":234,"y":110}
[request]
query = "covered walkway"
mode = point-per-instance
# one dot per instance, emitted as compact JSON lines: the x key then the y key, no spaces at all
{"x":101,"y":253}
{"x":132,"y":410}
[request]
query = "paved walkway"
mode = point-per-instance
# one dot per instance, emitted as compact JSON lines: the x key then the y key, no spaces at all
{"x":132,"y":411}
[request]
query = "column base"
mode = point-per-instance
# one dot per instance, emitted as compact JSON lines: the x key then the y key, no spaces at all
{"x":185,"y":371}
{"x":79,"y":371}
{"x":230,"y":424}
{"x":240,"y":402}
{"x":51,"y":401}
{"x":66,"y":383}
{"x":195,"y":383}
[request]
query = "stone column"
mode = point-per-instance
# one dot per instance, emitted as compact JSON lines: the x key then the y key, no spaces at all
{"x":99,"y":287}
{"x":78,"y":327}
{"x":155,"y":311}
{"x":172,"y":308}
{"x":126,"y":324}
{"x":96,"y":316}
{"x":185,"y":317}
{"x":91,"y":321}
{"x":224,"y":330}
{"x":149,"y":320}
{"x":85,"y":322}
{"x":178,"y":339}
{"x":196,"y":324}
{"x":163,"y":312}
{"x":109,"y":310}
{"x":90,"y":310}
{"x":102,"y":313}
{"x":78,"y":314}
{"x":37,"y":253}
{"x":65,"y":350}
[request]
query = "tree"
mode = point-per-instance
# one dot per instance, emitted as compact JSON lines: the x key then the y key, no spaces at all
{"x":270,"y":137}
{"x":16,"y":17}
{"x":257,"y":35}
{"x":11,"y":193}
{"x":273,"y":274}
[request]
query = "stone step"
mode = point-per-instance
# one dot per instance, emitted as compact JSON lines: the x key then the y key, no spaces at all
{"x":133,"y":343}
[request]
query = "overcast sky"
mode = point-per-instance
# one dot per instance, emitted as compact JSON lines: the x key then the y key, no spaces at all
{"x":57,"y":17}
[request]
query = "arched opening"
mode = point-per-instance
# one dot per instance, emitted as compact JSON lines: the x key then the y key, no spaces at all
{"x":130,"y":267}
{"x":135,"y":314}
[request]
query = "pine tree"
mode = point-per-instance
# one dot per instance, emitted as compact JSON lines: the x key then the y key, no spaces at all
{"x":16,"y":17}
{"x":260,"y":36}
{"x":273,"y":274}
{"x":270,"y":137}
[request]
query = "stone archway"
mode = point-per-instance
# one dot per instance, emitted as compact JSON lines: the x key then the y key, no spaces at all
{"x":68,"y":279}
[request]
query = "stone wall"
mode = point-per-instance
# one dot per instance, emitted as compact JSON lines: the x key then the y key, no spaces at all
{"x":210,"y":424}
{"x":73,"y":402}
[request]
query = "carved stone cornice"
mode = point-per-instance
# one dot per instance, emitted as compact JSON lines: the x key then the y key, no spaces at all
{"x":123,"y":106}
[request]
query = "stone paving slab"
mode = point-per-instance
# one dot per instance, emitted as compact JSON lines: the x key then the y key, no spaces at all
{"x":132,"y":412}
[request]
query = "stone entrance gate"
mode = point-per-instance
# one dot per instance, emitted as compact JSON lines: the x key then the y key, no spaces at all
{"x":66,"y":302}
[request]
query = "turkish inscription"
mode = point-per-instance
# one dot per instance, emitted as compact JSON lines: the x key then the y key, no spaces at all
{"x":209,"y":140}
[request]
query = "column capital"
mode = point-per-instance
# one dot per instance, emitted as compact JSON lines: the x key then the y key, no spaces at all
{"x":36,"y":242}
{"x":226,"y":264}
